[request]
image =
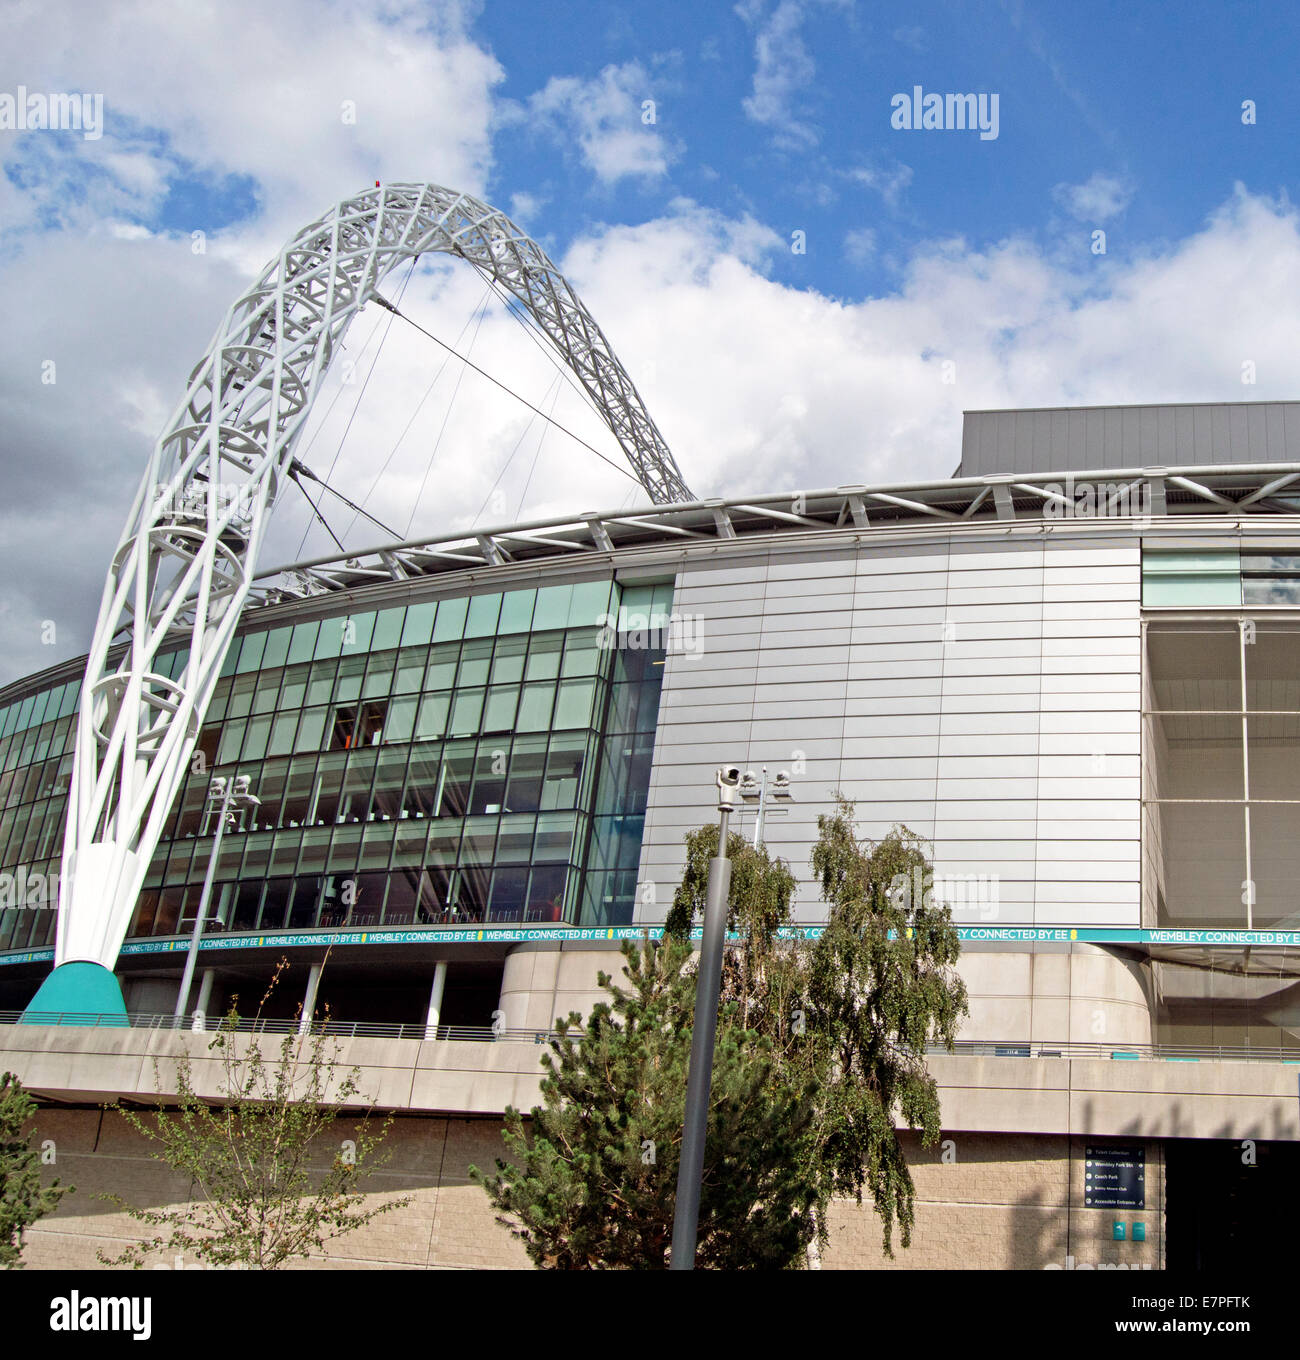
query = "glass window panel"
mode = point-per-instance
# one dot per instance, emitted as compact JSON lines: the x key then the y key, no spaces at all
{"x":517,"y":611}
{"x":241,"y":697}
{"x":450,"y":622}
{"x":285,"y":846}
{"x":474,"y":661}
{"x":401,"y":720}
{"x":466,"y":713}
{"x":508,"y":661}
{"x":555,"y":837}
{"x":266,"y":695}
{"x":275,"y":904}
{"x":282,"y":732}
{"x":499,"y":712}
{"x":484,"y":611}
{"x":527,"y":770}
{"x":581,"y":655}
{"x":329,"y":640}
{"x":409,"y":676}
{"x":379,"y":677}
{"x":277,"y":647}
{"x":420,"y":797}
{"x":535,"y":708}
{"x":454,"y":780}
{"x":232,"y":735}
{"x":347,"y":686}
{"x":515,"y":842}
{"x":1271,"y":590}
{"x":388,"y":628}
{"x":564,"y":766}
{"x":546,"y":894}
{"x":250,"y":654}
{"x":418,"y":628}
{"x":305,"y":904}
{"x":303,"y":642}
{"x":227,"y":666}
{"x":444,"y":843}
{"x":259,"y":730}
{"x":433,"y":715}
{"x":311,"y":732}
{"x":509,"y":890}
{"x":441,"y":670}
{"x":320,"y":682}
{"x":357,"y":632}
{"x":552,"y":608}
{"x":220,"y":697}
{"x":315,"y":850}
{"x":574,"y":703}
{"x":293,"y":692}
{"x":590,"y":600}
{"x":544,"y":659}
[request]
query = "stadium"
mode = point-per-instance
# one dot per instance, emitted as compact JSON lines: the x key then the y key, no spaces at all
{"x":462,"y":768}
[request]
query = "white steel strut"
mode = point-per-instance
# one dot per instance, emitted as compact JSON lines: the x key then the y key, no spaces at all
{"x":186,"y":561}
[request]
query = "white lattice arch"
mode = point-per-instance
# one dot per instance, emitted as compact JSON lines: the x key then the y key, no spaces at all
{"x":186,"y":560}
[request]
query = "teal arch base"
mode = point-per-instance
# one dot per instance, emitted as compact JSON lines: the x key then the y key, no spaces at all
{"x":77,"y":993}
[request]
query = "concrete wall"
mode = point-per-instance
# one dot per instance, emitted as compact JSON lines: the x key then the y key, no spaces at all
{"x":999,"y":1202}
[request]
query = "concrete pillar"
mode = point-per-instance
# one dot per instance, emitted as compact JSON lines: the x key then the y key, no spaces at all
{"x":309,"y":1001}
{"x":205,"y":999}
{"x":432,"y":1019}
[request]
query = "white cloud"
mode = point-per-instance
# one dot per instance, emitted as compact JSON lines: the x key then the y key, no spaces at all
{"x":1098,"y":199}
{"x":889,"y":181}
{"x":611,"y":118}
{"x":859,"y":245}
{"x":783,"y":69}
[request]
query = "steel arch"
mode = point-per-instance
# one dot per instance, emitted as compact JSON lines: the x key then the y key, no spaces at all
{"x":186,"y":560}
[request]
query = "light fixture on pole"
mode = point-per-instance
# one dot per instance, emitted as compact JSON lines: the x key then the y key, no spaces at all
{"x":690,"y":1171}
{"x":754,"y":790}
{"x":228,"y":801}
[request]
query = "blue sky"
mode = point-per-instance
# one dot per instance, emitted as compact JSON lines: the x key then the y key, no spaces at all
{"x":942,"y":271}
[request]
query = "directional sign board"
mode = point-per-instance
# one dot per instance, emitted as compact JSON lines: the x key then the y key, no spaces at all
{"x":1114,"y":1178}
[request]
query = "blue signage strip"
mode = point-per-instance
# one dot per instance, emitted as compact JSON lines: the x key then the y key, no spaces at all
{"x":441,"y":935}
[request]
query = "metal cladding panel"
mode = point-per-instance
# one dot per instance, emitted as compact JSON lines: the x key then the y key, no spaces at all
{"x":1003,"y":696}
{"x":1090,"y":438}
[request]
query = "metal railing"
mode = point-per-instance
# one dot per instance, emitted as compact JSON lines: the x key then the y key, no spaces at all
{"x":335,"y":1029}
{"x":363,"y":1029}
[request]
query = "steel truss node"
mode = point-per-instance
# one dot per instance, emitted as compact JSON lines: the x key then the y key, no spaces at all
{"x":184,"y":568}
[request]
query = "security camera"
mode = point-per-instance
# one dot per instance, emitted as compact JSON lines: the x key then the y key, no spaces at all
{"x":729,"y":776}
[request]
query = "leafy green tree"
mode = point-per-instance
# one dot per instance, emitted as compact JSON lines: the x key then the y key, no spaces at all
{"x":850,"y":1014}
{"x":22,"y":1197}
{"x":591,"y":1183}
{"x":258,"y":1200}
{"x":882,"y":985}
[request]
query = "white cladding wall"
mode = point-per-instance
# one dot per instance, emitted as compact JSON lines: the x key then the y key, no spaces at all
{"x":983,"y":690}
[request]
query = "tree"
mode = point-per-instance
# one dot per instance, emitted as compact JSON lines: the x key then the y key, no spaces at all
{"x":258,"y":1200}
{"x":22,"y":1197}
{"x":881,"y":986}
{"x":592,"y":1183}
{"x":850,"y":1014}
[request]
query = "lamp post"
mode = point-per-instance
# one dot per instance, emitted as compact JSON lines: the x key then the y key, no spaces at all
{"x":224,"y":796}
{"x":753,"y":789}
{"x":690,"y":1171}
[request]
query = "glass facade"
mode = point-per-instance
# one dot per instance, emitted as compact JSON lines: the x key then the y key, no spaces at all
{"x":1221,"y":772}
{"x":481,"y":759}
